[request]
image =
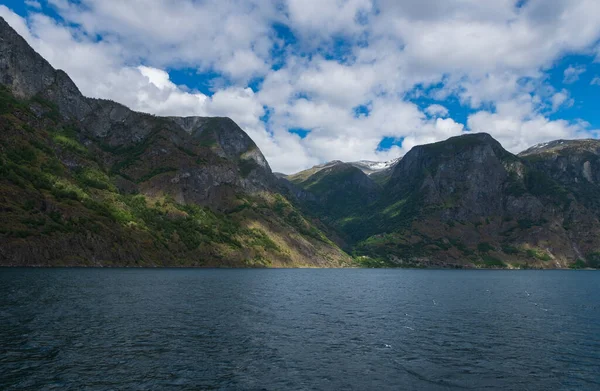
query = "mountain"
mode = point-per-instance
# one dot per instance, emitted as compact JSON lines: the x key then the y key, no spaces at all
{"x":467,"y":202}
{"x":571,"y":162}
{"x":91,"y":182}
{"x":333,"y":191}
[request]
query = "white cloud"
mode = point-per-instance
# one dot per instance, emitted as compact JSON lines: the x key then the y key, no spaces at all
{"x":325,"y":18}
{"x":339,"y":84}
{"x":33,"y":4}
{"x":517,"y":125}
{"x":595,"y":81}
{"x":436,"y":110}
{"x":232,"y":36}
{"x":572,"y":74}
{"x":561,"y":99}
{"x":490,"y":56}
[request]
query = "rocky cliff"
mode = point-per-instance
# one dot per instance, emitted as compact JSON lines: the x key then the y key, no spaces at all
{"x":467,"y":202}
{"x":91,"y":182}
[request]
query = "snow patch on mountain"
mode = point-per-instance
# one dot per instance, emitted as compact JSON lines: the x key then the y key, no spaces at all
{"x":369,"y":167}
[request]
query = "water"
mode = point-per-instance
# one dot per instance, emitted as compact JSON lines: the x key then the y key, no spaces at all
{"x":97,"y":329}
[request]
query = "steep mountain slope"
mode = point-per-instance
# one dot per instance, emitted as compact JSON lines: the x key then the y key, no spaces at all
{"x":90,"y":182}
{"x":333,"y":191}
{"x":574,"y":164}
{"x":468,"y":202}
{"x":570,"y":162}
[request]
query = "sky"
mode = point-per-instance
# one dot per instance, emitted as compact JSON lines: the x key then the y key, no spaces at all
{"x":318,"y":80}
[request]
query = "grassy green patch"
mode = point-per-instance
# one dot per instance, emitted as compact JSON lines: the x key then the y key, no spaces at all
{"x":508,"y":249}
{"x":370,"y":262}
{"x":69,"y":143}
{"x":490,"y":261}
{"x":260,"y":239}
{"x":95,"y":178}
{"x":538,"y":254}
{"x":579,"y":264}
{"x":21,"y":154}
{"x":593,"y":259}
{"x":63,"y":189}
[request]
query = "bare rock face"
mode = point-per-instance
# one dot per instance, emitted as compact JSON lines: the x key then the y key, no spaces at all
{"x":120,"y":130}
{"x":89,"y":182}
{"x":570,"y":162}
{"x":466,"y":174}
{"x":467,"y":202}
{"x":27,"y":73}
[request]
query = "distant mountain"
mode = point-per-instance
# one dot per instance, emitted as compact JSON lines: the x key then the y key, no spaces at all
{"x":378,"y":171}
{"x":371,"y":167}
{"x":468,"y":202}
{"x":90,"y":182}
{"x":366,"y":166}
{"x":336,"y":190}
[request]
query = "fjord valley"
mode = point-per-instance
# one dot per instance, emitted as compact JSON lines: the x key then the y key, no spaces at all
{"x":89,"y":182}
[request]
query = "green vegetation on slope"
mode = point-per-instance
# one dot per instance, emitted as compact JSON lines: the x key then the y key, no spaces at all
{"x":460,"y":202}
{"x":58,"y":198}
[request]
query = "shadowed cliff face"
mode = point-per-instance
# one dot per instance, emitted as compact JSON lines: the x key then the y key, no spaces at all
{"x":159,"y":142}
{"x":570,"y":162}
{"x":468,"y":198}
{"x":466,"y":173}
{"x":468,"y":202}
{"x":91,"y":182}
{"x":337,"y":183}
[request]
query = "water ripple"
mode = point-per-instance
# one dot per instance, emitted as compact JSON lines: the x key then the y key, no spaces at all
{"x":95,"y":329}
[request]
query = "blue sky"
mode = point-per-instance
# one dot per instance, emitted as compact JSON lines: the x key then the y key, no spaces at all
{"x":318,"y":80}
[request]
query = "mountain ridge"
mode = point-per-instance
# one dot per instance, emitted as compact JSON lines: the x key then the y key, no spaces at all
{"x":467,"y":201}
{"x":89,"y":182}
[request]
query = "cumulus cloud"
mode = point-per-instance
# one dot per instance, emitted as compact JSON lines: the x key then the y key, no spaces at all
{"x":323,"y":19}
{"x":517,"y":125}
{"x":334,"y":56}
{"x":231,"y":36}
{"x":595,"y":81}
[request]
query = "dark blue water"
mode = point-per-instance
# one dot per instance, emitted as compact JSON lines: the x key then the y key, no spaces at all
{"x":97,"y":329}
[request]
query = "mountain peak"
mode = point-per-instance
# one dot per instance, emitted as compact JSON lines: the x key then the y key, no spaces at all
{"x":370,"y":167}
{"x":24,"y":71}
{"x":475,"y":145}
{"x":204,"y":191}
{"x":556,"y":146}
{"x":464,"y":141}
{"x":28,"y":75}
